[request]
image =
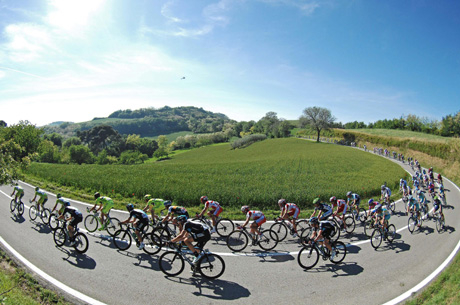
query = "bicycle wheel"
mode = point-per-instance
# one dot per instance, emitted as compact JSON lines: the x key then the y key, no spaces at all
{"x":411,"y":224}
{"x":268,"y":240}
{"x":355,"y":213}
{"x":112,"y":225}
{"x":350,"y":223}
{"x":211,"y":266}
{"x":45,"y":215}
{"x":376,"y":238}
{"x":302,"y":225}
{"x":12,"y":205}
{"x":122,"y":239}
{"x":308,"y":257}
{"x":362,"y":217}
{"x":60,"y":237}
{"x":224,"y":227}
{"x":152,"y":243}
{"x":368,"y":228}
{"x":280,"y":229}
{"x":340,"y":252}
{"x":335,"y":235}
{"x":91,"y":223}
{"x":53,"y":221}
{"x":163,"y":233}
{"x":392,"y":206}
{"x":237,"y":241}
{"x":391,"y":233}
{"x":171,"y":263}
{"x":439,"y":224}
{"x":81,"y":243}
{"x":33,"y":212}
{"x":305,"y":236}
{"x":20,"y":208}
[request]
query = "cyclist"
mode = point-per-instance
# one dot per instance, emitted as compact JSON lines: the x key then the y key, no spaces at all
{"x":386,"y":193}
{"x":431,"y":188}
{"x":341,"y":209}
{"x":412,"y":204}
{"x":431,"y":174}
{"x":43,"y":197}
{"x":382,"y":215}
{"x":214,"y":210}
{"x":439,"y":179}
{"x":174,"y":210}
{"x":105,"y":205}
{"x":152,"y":205}
{"x":372,"y":206}
{"x":403,"y":186}
{"x":421,"y":197}
{"x":139,"y":219}
{"x":353,"y":199}
{"x":322,"y":230}
{"x":257,"y":216}
{"x":190,"y":232}
{"x":75,"y":217}
{"x":64,"y":202}
{"x":324,"y":210}
{"x":441,"y":190}
{"x":19,"y":192}
{"x":289,"y":210}
{"x":437,"y":208}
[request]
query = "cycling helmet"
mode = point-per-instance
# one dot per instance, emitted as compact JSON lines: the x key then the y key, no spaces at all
{"x":244,"y":208}
{"x":204,"y":199}
{"x":436,"y":197}
{"x":58,"y":196}
{"x":401,"y":180}
{"x":97,"y":195}
{"x":282,"y":202}
{"x":66,"y":204}
{"x":349,"y":194}
{"x":181,"y":218}
{"x":130,"y":207}
{"x":419,"y":192}
{"x":382,"y":187}
{"x":37,"y":188}
{"x":316,"y":201}
{"x":167,"y":203}
{"x":333,"y":199}
{"x":371,"y":201}
{"x":314,"y":220}
{"x":147,"y":197}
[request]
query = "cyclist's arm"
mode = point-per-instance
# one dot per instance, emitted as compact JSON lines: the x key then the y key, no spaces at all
{"x":318,"y":235}
{"x":128,"y":220}
{"x":146,"y":208}
{"x":182,"y":235}
{"x":245,"y":223}
{"x":202,"y":212}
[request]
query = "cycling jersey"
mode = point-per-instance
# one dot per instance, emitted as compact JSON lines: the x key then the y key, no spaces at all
{"x":384,"y":213}
{"x":199,"y":232}
{"x":214,"y":206}
{"x":63,"y":203}
{"x":326,"y":209}
{"x":353,"y":198}
{"x":177,"y":210}
{"x":106,"y":203}
{"x":326,"y":227}
{"x":76,"y":215}
{"x":414,"y":202}
{"x":386,"y":192}
{"x":437,"y":205}
{"x":403,"y":184}
{"x":19,"y":191}
{"x":257,"y":216}
{"x":141,"y":216}
{"x":43,"y":196}
{"x":341,"y":206}
{"x":156,"y":203}
{"x":291,"y":209}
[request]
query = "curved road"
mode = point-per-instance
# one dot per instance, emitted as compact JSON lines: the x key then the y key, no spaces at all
{"x":366,"y":276}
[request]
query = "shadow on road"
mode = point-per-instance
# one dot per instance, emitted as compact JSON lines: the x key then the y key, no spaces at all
{"x":18,"y":219}
{"x":41,"y":228}
{"x":213,"y":289}
{"x":78,"y":260}
{"x":338,"y":270}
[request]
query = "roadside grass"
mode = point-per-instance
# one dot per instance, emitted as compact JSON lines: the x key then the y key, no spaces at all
{"x":402,"y":134}
{"x":18,"y":287}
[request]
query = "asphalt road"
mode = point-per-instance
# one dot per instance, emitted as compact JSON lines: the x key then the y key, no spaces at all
{"x":366,"y":276}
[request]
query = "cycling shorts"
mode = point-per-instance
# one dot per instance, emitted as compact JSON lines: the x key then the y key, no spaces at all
{"x":294,"y":213}
{"x":202,"y":238}
{"x":326,"y":215}
{"x":107,"y":207}
{"x":260,"y":221}
{"x":42,"y":201}
{"x":142,"y":223}
{"x":76,"y":220}
{"x":326,"y":232}
{"x":387,"y":217}
{"x":342,"y":210}
{"x":217,"y":211}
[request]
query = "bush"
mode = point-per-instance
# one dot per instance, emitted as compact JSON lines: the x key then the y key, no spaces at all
{"x":248,"y":140}
{"x":132,"y":157}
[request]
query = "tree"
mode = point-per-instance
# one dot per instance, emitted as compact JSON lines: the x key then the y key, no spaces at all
{"x":26,"y":135}
{"x":317,"y":118}
{"x":3,"y":123}
{"x":48,"y":152}
{"x":81,"y":154}
{"x":163,"y":148}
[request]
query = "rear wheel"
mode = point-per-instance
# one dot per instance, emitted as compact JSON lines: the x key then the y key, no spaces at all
{"x":171,"y":263}
{"x":224,"y":227}
{"x":305,"y":236}
{"x":280,"y":229}
{"x":91,"y":223}
{"x":81,"y":243}
{"x":350,"y":223}
{"x":369,"y":228}
{"x":112,"y":225}
{"x":122,"y":239}
{"x":237,"y":241}
{"x":211,"y":266}
{"x":308,"y":257}
{"x":45,"y":215}
{"x":302,"y":225}
{"x":152,"y":243}
{"x":340,"y":252}
{"x":33,"y":213}
{"x":268,"y":240}
{"x":391,"y":233}
{"x":439,"y":224}
{"x":164,"y":235}
{"x":20,"y":208}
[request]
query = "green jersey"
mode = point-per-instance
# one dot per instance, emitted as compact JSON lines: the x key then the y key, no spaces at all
{"x":19,"y":189}
{"x":41,"y":194}
{"x":156,"y":203}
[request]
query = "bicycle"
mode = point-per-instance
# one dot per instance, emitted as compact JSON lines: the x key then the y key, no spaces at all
{"x":35,"y":211}
{"x":390,"y":205}
{"x":92,"y":222}
{"x":224,"y":226}
{"x":123,"y":238}
{"x":440,"y":222}
{"x":349,"y":222}
{"x":166,"y":231}
{"x":415,"y":220}
{"x":172,"y":262}
{"x":19,"y":207}
{"x":309,"y":255}
{"x":238,"y":240}
{"x":355,"y":211}
{"x":61,"y":235}
{"x":283,"y":226}
{"x":53,"y":221}
{"x":380,"y":234}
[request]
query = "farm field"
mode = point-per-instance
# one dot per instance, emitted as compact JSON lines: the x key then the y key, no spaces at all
{"x":402,"y":134}
{"x":258,"y":175}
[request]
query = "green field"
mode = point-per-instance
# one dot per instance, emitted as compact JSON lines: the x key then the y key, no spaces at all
{"x":402,"y":134}
{"x":258,"y":175}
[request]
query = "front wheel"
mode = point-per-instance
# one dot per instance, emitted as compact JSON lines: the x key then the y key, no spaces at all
{"x":439,"y":224}
{"x":224,"y":227}
{"x":268,"y":240}
{"x":112,"y":225}
{"x":411,"y":224}
{"x":376,"y":238}
{"x":91,"y":223}
{"x":33,"y":212}
{"x":308,"y":257}
{"x":45,"y":215}
{"x":122,"y":239}
{"x":280,"y":229}
{"x":81,"y":243}
{"x":171,"y":263}
{"x":53,"y":221}
{"x":350,"y":223}
{"x":152,"y":243}
{"x":60,"y":237}
{"x":340,"y":252}
{"x":237,"y":241}
{"x":12,"y":205}
{"x":211,"y":266}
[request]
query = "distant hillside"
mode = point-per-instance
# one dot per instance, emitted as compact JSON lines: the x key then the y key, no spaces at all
{"x":151,"y":122}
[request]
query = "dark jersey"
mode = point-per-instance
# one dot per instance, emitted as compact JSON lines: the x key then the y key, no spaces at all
{"x":74,"y":212}
{"x":323,"y":207}
{"x":138,"y":214}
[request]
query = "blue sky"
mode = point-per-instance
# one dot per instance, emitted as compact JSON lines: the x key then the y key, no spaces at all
{"x":364,"y":60}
